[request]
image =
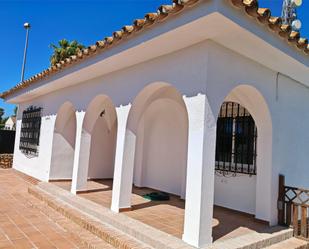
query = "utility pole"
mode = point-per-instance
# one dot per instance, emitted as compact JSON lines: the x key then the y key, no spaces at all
{"x":289,"y":14}
{"x":27,"y":27}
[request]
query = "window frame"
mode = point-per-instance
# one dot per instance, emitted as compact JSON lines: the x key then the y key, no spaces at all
{"x":231,"y":112}
{"x":30,"y":131}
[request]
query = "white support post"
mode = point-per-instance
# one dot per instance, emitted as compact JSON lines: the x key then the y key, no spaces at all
{"x":52,"y":120}
{"x":200,"y":172}
{"x":124,"y":162}
{"x":79,"y":129}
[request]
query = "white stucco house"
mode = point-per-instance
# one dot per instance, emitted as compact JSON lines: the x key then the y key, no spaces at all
{"x":189,"y":94}
{"x":10,"y":124}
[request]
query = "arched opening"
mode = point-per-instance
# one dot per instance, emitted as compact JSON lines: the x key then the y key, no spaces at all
{"x":244,"y":178}
{"x":63,"y":143}
{"x":154,"y":157}
{"x":158,"y":120}
{"x":236,"y":154}
{"x":98,"y":142}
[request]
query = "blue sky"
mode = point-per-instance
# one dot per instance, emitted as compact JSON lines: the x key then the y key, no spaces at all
{"x":85,"y":21}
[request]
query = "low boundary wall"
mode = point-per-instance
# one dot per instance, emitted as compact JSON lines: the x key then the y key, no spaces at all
{"x":6,"y":161}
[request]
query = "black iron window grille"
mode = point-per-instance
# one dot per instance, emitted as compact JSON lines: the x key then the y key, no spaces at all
{"x":30,"y":131}
{"x":236,"y":140}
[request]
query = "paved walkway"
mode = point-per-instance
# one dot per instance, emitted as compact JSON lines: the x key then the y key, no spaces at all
{"x":22,"y":226}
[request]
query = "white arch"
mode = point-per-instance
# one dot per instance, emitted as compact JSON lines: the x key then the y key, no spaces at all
{"x":201,"y":165}
{"x":266,"y":188}
{"x":63,"y":143}
{"x":98,"y":141}
{"x":155,"y":152}
{"x":148,"y":95}
{"x":102,"y":106}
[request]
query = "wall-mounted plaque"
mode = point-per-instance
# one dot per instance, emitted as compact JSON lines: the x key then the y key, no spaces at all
{"x":30,"y":131}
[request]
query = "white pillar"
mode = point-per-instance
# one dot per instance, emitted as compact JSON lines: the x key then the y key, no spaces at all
{"x":200,"y":172}
{"x":50,"y":134}
{"x":267,"y":177}
{"x":79,"y":129}
{"x":124,"y":162}
{"x":139,"y":156}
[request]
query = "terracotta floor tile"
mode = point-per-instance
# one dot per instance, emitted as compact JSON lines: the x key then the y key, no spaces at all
{"x":168,"y":216}
{"x":20,"y":223}
{"x":2,"y":236}
{"x":63,"y":244}
{"x":22,"y":244}
{"x":5,"y":244}
{"x":44,"y":245}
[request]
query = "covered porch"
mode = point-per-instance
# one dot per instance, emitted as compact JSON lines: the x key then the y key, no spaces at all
{"x":168,"y":216}
{"x":181,"y":145}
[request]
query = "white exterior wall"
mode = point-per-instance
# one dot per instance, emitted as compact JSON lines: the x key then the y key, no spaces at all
{"x":209,"y":69}
{"x":37,"y":167}
{"x":291,"y":136}
{"x":287,"y":103}
{"x":236,"y":193}
{"x":102,"y":155}
{"x":63,"y":144}
{"x":122,"y":87}
{"x":162,"y":129}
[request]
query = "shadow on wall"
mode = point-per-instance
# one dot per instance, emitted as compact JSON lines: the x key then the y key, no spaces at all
{"x":158,"y":122}
{"x":98,"y":142}
{"x":63,"y":143}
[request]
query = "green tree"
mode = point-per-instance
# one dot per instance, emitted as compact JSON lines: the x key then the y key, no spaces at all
{"x":15,"y":111}
{"x":2,"y":120}
{"x":1,"y":113}
{"x":64,"y":50}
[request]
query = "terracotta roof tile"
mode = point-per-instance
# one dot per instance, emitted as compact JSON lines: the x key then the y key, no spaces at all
{"x":251,"y":7}
{"x":264,"y":15}
{"x":128,"y":29}
{"x":302,"y":43}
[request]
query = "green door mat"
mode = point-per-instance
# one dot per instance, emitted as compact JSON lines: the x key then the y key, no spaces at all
{"x":157,"y":196}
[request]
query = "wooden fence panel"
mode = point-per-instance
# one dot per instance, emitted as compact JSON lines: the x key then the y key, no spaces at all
{"x":281,"y":199}
{"x":288,"y":214}
{"x":295,"y":219}
{"x":303,"y":222}
{"x":293,"y":204}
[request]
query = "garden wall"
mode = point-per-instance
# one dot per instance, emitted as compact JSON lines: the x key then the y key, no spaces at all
{"x":6,"y":161}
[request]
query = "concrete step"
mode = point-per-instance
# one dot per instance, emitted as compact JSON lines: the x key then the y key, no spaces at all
{"x":97,"y":227}
{"x":292,"y":243}
{"x":117,"y":229}
{"x":254,"y":240}
{"x":120,"y":230}
{"x":83,"y":237}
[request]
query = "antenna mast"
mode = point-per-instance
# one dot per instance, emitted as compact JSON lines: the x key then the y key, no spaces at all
{"x":289,"y":13}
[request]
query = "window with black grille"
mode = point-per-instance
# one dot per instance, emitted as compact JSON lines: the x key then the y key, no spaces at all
{"x":30,"y":131}
{"x":236,"y":140}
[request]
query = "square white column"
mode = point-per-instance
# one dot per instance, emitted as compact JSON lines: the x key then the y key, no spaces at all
{"x":124,"y":162}
{"x":79,"y":129}
{"x":200,"y":172}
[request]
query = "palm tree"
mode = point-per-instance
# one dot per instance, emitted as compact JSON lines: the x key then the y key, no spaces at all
{"x":64,"y":50}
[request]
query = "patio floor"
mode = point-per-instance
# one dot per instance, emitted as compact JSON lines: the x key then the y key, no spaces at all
{"x":21,"y":225}
{"x":168,"y":216}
